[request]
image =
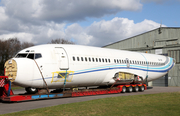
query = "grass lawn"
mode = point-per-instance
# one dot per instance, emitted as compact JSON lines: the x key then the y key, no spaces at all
{"x":163,"y":104}
{"x":14,"y":88}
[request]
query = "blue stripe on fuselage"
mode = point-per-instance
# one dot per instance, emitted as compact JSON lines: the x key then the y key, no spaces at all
{"x":132,"y":66}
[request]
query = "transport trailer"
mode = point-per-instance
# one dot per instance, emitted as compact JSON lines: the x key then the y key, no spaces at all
{"x":7,"y":95}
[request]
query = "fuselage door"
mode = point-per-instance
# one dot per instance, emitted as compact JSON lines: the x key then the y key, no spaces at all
{"x":62,"y":58}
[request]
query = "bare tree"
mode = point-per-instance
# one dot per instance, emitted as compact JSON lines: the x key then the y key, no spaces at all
{"x":26,"y":45}
{"x":8,"y":48}
{"x":61,"y":41}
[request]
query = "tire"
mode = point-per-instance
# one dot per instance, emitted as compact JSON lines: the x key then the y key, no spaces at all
{"x":31,"y":90}
{"x":136,"y":89}
{"x":123,"y":89}
{"x":129,"y":89}
{"x":141,"y":88}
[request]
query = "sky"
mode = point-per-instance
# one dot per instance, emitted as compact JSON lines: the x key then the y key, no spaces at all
{"x":85,"y":22}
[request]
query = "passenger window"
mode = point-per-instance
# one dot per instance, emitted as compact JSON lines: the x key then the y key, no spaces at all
{"x":77,"y":58}
{"x":89,"y":59}
{"x":82,"y":59}
{"x":106,"y":60}
{"x":103,"y":60}
{"x":85,"y":59}
{"x":117,"y":61}
{"x":96,"y":60}
{"x":99,"y":59}
{"x":109,"y":60}
{"x":114,"y":61}
{"x":93,"y":59}
{"x":124,"y":61}
{"x":73,"y":58}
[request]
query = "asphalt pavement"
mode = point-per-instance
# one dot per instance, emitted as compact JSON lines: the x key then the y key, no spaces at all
{"x":28,"y":105}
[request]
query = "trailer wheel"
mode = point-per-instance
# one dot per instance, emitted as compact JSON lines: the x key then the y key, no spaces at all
{"x":136,"y":89}
{"x":129,"y":89}
{"x":31,"y":90}
{"x":141,"y":88}
{"x":123,"y":89}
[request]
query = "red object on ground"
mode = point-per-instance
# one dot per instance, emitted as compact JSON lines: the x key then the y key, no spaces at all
{"x":4,"y":87}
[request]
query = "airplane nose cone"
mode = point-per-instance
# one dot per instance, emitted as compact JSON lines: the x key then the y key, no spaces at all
{"x":11,"y":69}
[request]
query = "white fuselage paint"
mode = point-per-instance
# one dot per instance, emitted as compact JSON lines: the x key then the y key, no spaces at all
{"x":58,"y":57}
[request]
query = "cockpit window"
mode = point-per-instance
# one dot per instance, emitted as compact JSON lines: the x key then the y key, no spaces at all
{"x":30,"y":55}
{"x":21,"y":55}
{"x":38,"y":56}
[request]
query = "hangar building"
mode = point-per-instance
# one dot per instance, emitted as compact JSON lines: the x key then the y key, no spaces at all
{"x":164,"y":41}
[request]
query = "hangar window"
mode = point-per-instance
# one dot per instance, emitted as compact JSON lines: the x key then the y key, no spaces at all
{"x":77,"y":58}
{"x":89,"y":59}
{"x":73,"y":58}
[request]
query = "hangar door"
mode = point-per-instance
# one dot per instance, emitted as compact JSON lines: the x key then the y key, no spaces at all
{"x":163,"y":81}
{"x":62,"y":58}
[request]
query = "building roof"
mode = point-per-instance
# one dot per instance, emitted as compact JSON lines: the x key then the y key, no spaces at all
{"x":142,"y":34}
